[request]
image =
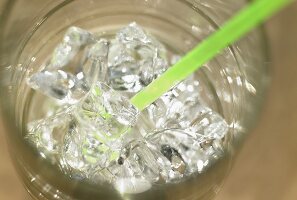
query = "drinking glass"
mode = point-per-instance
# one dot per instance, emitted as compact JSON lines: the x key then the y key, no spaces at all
{"x":233,"y":83}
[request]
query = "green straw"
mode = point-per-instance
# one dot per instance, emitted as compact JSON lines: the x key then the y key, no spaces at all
{"x":247,"y":19}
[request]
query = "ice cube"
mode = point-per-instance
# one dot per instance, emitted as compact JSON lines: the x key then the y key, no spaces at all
{"x":83,"y":153}
{"x":133,"y":36}
{"x":175,"y":108}
{"x":187,"y":111}
{"x":99,"y":50}
{"x":184,"y":150}
{"x":139,"y":159}
{"x":135,"y":59}
{"x":74,"y":39}
{"x":124,"y":78}
{"x":118,"y":54}
{"x":166,"y":112}
{"x":133,"y":33}
{"x":62,"y":55}
{"x":76,"y":64}
{"x":94,"y":66}
{"x":59,"y":85}
{"x":136,"y":167}
{"x":77,"y":37}
{"x":71,"y":152}
{"x":189,"y":115}
{"x":170,"y":145}
{"x":47,"y":134}
{"x":110,"y":113}
{"x":152,"y":68}
{"x":210,"y":124}
{"x":123,"y":68}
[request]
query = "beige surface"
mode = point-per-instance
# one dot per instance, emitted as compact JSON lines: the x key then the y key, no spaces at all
{"x":10,"y":186}
{"x":266,"y":168}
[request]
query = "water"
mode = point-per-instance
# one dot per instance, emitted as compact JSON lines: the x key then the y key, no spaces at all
{"x":95,"y":134}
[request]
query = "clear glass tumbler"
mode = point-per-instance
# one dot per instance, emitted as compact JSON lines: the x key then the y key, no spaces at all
{"x":233,"y":83}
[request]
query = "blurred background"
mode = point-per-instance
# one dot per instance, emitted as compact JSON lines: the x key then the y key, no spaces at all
{"x":266,"y":166}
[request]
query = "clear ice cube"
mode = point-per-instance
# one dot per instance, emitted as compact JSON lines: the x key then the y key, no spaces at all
{"x":76,"y":64}
{"x":122,"y":68}
{"x":47,"y":134}
{"x":74,"y":39}
{"x":118,"y":54}
{"x":169,"y":147}
{"x":151,"y":68}
{"x":77,"y":37}
{"x":110,"y":113}
{"x":71,"y":154}
{"x":62,"y":55}
{"x":94,"y":66}
{"x":103,"y":122}
{"x":133,"y":34}
{"x":139,"y":158}
{"x":136,"y":166}
{"x":209,"y":124}
{"x":181,"y":114}
{"x":184,"y":150}
{"x":176,"y":107}
{"x":83,"y":152}
{"x":186,"y":111}
{"x":135,"y":59}
{"x":59,"y":85}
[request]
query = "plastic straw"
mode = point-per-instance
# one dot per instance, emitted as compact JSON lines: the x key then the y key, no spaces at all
{"x":243,"y":22}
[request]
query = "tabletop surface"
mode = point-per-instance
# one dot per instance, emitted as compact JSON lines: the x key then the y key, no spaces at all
{"x":265,"y":168}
